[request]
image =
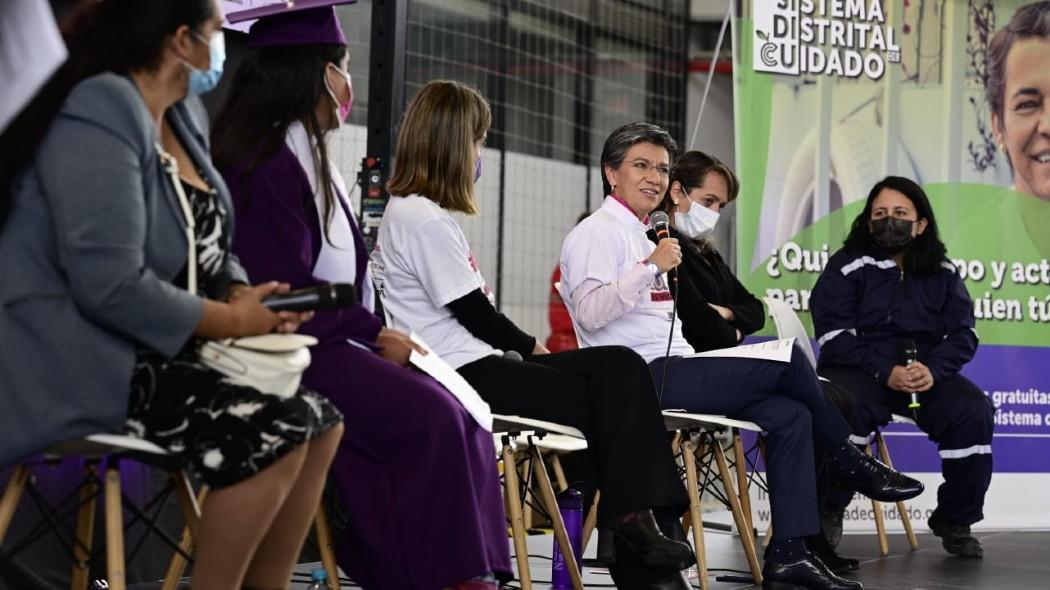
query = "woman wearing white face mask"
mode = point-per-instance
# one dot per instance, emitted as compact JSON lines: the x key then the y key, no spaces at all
{"x":716,"y":310}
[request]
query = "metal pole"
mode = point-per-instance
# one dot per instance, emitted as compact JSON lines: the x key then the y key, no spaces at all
{"x":822,"y":163}
{"x":954,"y":79}
{"x":501,"y":11}
{"x":891,"y":103}
{"x":386,"y":104}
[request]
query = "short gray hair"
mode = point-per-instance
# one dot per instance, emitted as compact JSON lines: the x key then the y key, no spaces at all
{"x":621,"y":140}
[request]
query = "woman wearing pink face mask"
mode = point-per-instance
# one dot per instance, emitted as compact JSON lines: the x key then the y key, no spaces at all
{"x":294,"y":221}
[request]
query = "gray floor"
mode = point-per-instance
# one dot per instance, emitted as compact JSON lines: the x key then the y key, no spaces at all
{"x":1013,"y":561}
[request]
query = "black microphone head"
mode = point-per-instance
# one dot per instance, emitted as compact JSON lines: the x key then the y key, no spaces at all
{"x":337,"y":296}
{"x":909,"y":352}
{"x":659,"y":223}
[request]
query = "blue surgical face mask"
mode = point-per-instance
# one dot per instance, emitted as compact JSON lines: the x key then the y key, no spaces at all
{"x":477,"y":169}
{"x":204,"y":81}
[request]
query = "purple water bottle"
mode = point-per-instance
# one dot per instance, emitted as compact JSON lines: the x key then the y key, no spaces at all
{"x":570,"y":505}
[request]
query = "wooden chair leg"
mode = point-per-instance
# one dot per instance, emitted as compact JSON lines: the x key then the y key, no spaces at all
{"x":689,"y":458}
{"x":325,"y":546}
{"x":559,"y":472}
{"x":902,"y":508}
{"x":543,"y":482}
{"x":591,"y":520}
{"x":880,"y":524}
{"x":687,"y":522}
{"x":742,"y":524}
{"x":12,"y":494}
{"x":114,"y":530}
{"x":517,"y":524}
{"x":526,"y":508}
{"x":85,"y":530}
{"x":177,"y":566}
{"x":742,"y":482}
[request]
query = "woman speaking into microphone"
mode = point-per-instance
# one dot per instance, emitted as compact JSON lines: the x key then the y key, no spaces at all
{"x":430,"y":284}
{"x":614,"y":285}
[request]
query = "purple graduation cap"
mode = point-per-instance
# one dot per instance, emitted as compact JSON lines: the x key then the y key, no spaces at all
{"x":293,"y":22}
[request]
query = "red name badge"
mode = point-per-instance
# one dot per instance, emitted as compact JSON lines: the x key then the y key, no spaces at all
{"x":660,"y":295}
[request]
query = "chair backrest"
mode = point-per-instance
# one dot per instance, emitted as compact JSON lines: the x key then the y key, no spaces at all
{"x":788,"y":325}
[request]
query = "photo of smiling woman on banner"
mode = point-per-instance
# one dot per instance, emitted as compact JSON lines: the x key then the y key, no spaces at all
{"x":1017,"y":92}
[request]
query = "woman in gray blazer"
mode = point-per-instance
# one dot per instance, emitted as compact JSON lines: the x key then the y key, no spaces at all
{"x":97,"y":329}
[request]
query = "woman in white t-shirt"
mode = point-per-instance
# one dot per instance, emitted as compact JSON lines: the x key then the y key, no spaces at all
{"x":429,"y":283}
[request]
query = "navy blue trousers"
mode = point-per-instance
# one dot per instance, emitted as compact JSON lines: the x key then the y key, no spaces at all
{"x":786,"y":400}
{"x":955,"y":414}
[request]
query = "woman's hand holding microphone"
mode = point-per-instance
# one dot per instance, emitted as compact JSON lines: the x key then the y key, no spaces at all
{"x":243,"y":313}
{"x":667,"y":255}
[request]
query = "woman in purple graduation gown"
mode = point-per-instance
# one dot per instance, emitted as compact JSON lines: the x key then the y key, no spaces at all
{"x":416,"y":472}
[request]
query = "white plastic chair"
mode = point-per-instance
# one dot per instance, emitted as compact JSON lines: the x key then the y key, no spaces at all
{"x":512,"y":433}
{"x":790,"y":326}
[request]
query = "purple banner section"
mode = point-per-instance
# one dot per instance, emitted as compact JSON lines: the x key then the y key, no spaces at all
{"x":1017,"y":379}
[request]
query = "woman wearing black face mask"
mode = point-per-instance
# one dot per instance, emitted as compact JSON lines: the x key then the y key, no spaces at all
{"x":891,"y":288}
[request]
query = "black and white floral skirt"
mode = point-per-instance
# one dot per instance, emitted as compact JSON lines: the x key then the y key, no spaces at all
{"x":227,"y":432}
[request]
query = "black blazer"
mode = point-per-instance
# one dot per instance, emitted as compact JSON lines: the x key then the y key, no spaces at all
{"x":703,"y":277}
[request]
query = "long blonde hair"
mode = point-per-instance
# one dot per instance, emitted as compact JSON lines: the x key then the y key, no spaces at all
{"x":436,"y":145}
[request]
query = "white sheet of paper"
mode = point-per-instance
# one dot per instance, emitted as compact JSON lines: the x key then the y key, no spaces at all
{"x":773,"y":350}
{"x":31,"y":49}
{"x":443,"y":373}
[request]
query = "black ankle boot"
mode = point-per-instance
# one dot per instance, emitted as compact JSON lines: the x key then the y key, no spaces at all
{"x":630,"y":572}
{"x":858,"y":472}
{"x":818,"y":545}
{"x":808,"y":573}
{"x":955,"y":538}
{"x":639,"y":533}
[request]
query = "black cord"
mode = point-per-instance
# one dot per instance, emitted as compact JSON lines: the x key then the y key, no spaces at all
{"x":673,"y":273}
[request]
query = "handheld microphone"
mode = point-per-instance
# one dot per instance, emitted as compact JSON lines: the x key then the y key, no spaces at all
{"x":660,"y":223}
{"x":909,"y":353}
{"x":322,"y":297}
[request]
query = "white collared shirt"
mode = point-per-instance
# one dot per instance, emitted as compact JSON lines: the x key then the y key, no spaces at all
{"x":611,"y":296}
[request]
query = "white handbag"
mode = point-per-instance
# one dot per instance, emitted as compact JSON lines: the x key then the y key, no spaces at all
{"x":270,"y":363}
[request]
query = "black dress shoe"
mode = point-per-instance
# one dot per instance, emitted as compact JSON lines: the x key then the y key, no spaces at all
{"x":640,"y":535}
{"x":858,"y":472}
{"x":819,"y":546}
{"x":955,"y":538}
{"x":808,"y":573}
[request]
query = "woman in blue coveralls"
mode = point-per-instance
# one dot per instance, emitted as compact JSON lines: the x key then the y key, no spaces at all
{"x":891,"y":288}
